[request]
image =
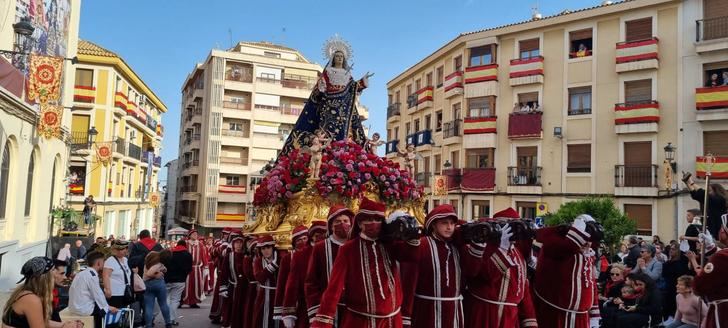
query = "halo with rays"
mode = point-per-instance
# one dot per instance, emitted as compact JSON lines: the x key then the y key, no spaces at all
{"x":334,"y":44}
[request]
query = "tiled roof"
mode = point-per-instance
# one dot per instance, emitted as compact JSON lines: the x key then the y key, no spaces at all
{"x":269,"y":45}
{"x":563,"y":13}
{"x":92,"y":49}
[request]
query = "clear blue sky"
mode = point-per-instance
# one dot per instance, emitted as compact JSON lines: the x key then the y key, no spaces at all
{"x":162,"y":40}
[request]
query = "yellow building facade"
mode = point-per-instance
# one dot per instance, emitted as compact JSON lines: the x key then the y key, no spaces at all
{"x":534,"y":114}
{"x":114,"y":109}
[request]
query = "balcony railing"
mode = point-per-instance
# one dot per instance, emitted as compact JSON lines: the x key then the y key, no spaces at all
{"x":478,"y":179}
{"x":267,"y":80}
{"x":158,"y":161}
{"x":236,"y":105}
{"x":79,"y":140}
{"x":420,"y":138}
{"x":525,"y":125}
{"x":423,"y":178}
{"x":453,"y":84}
{"x":637,"y":112}
{"x":120,"y":144}
{"x":288,"y":109}
{"x":83,"y":93}
{"x":479,"y":124}
{"x":454,"y":177}
{"x":233,"y":160}
{"x":234,"y":133}
{"x":134,"y":152}
{"x":524,"y":176}
{"x":526,"y":67}
{"x":393,"y":110}
{"x":231,"y":189}
{"x":711,"y":28}
{"x":711,"y":98}
{"x":452,"y":129}
{"x":392,"y":146}
{"x":245,"y":76}
{"x":635,"y":175}
{"x":719,"y":170}
{"x":475,"y":74}
{"x":189,"y":188}
{"x":297,"y":84}
{"x":639,"y":50}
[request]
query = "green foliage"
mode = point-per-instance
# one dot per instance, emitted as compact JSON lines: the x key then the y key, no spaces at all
{"x":616,"y":224}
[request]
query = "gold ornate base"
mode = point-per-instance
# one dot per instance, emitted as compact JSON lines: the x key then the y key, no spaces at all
{"x":308,"y":205}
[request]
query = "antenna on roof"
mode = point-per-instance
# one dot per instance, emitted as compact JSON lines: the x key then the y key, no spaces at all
{"x":535,"y":14}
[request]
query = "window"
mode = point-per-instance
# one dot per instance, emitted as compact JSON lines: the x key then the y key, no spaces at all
{"x":579,"y":158}
{"x":527,"y":157}
{"x":396,"y":132}
{"x":417,"y":125}
{"x":457,"y":64}
{"x":438,"y":163}
{"x":580,"y":101}
{"x":716,"y":74}
{"x":456,"y":111}
{"x":527,"y":102}
{"x":714,"y":143}
{"x":236,"y":126}
{"x":638,"y":29}
{"x":85,"y":77}
{"x":638,"y":91}
{"x":482,"y":55}
{"x":440,"y":76}
{"x":580,"y":43}
{"x":428,"y":79}
{"x":407,"y":128}
{"x":713,"y":24}
{"x":232,"y":180}
{"x":642,"y":215}
{"x":4,"y":176}
{"x":29,"y":185}
{"x":454,"y":203}
{"x":438,"y":120}
{"x":428,"y":122}
{"x":418,"y":84}
{"x":389,"y":99}
{"x":528,"y":48}
{"x":526,"y":210}
{"x":455,"y":159}
{"x":118,"y":84}
{"x":267,"y":76}
{"x":271,"y":54}
{"x":480,"y":158}
{"x":409,"y":90}
{"x":396,"y":97}
{"x":480,"y":209}
{"x":481,"y":107}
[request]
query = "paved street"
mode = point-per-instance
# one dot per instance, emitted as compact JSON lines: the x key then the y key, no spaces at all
{"x":191,"y":317}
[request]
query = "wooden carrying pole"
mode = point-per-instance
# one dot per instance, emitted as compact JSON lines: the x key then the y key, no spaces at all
{"x":709,"y":159}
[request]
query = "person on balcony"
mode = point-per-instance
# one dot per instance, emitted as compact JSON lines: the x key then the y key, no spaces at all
{"x":582,"y":51}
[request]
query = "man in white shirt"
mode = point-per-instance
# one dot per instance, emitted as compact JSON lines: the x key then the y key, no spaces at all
{"x":85,"y":296}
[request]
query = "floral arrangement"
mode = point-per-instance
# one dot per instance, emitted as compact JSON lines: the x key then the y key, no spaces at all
{"x":284,"y":180}
{"x":346,"y":168}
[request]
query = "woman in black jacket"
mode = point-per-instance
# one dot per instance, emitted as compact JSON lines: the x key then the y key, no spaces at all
{"x":676,"y":266}
{"x":648,"y":310}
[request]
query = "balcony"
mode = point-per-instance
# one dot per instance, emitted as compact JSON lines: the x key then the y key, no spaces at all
{"x":79,"y":140}
{"x":481,"y":81}
{"x":393,"y":112}
{"x":424,"y":98}
{"x":711,"y":103}
{"x":526,"y":71}
{"x":635,"y":180}
{"x":636,"y":117}
{"x":454,"y":84}
{"x":233,"y":160}
{"x":158,"y":161}
{"x":478,"y":179}
{"x":120,"y":100}
{"x":267,"y":80}
{"x":423,"y":178}
{"x":525,"y":125}
{"x":160,"y":130}
{"x":711,"y":34}
{"x":288,"y":109}
{"x":524,"y":176}
{"x":148,"y":156}
{"x":245,"y":76}
{"x":479,"y":132}
{"x":451,"y":132}
{"x":298,"y":82}
{"x":120,"y":146}
{"x":230,"y":189}
{"x":236,"y":105}
{"x":189,"y":188}
{"x":421,"y":138}
{"x":230,"y":217}
{"x":84,"y":94}
{"x":391,"y":147}
{"x":134,"y":152}
{"x":637,"y":55}
{"x":719,"y":170}
{"x":454,"y":177}
{"x":234,"y":133}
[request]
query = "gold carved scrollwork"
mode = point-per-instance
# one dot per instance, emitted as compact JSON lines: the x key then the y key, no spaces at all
{"x":276,"y":217}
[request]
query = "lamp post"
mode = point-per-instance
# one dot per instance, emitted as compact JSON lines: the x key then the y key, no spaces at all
{"x":92,"y":133}
{"x":670,"y":155}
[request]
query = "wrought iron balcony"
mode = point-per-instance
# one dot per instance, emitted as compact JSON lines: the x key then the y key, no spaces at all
{"x":452,"y":129}
{"x":134,"y":152}
{"x":711,"y":29}
{"x":635,"y":175}
{"x":423,"y":178}
{"x":79,"y":140}
{"x":524,"y":176}
{"x":392,"y":146}
{"x":393,"y":110}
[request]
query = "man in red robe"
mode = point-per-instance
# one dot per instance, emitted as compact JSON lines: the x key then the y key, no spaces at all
{"x":265,"y":269}
{"x":565,"y":291}
{"x":237,"y":283}
{"x":499,"y":294}
{"x":299,"y":240}
{"x":216,"y":256}
{"x":710,"y":283}
{"x":252,"y":291}
{"x":226,"y":287}
{"x":437,"y":298}
{"x":294,"y":299}
{"x":211,"y":266}
{"x":322,"y":258}
{"x":195,"y":285}
{"x":365,"y":274}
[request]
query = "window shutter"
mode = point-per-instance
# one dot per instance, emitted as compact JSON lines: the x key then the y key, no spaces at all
{"x":638,"y":29}
{"x":714,"y":142}
{"x":579,"y":158}
{"x":580,"y":34}
{"x":528,"y":45}
{"x":637,"y":153}
{"x":528,"y":97}
{"x":642,"y":215}
{"x":715,"y":8}
{"x":527,"y":151}
{"x":638,"y":91}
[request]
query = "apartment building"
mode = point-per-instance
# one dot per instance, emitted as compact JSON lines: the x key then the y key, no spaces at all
{"x":549,"y":110}
{"x":113,"y":107}
{"x":239,"y":106}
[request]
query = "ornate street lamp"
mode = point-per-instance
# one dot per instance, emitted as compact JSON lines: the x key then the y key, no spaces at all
{"x":23,"y":30}
{"x":670,"y":155}
{"x":92,"y":133}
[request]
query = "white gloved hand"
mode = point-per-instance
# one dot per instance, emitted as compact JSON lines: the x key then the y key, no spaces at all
{"x":289,"y":322}
{"x":506,"y":234}
{"x":579,"y":224}
{"x":593,"y":322}
{"x":684,"y":246}
{"x":706,"y":239}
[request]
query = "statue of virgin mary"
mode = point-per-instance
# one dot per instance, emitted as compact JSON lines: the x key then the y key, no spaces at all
{"x":331,"y":107}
